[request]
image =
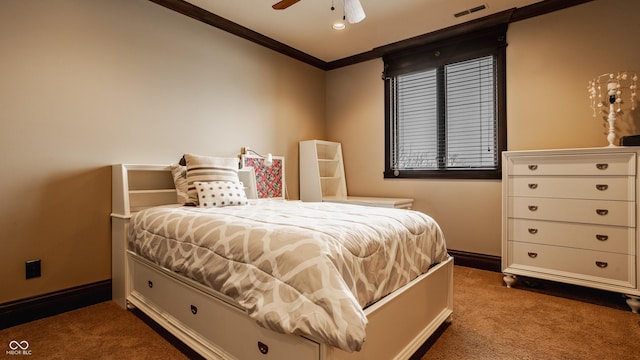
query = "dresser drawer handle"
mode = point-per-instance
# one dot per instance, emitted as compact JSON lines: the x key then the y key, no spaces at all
{"x":264,"y":348}
{"x":602,"y":166}
{"x":533,"y":186}
{"x":150,"y":283}
{"x":602,"y":237}
{"x":533,"y":207}
{"x":602,"y":212}
{"x":532,"y":231}
{"x":532,"y":255}
{"x":602,"y":187}
{"x":602,"y":264}
{"x":194,"y":309}
{"x":533,"y":167}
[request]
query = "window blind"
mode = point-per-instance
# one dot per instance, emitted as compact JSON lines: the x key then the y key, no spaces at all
{"x":446,"y":118}
{"x":471,"y":139}
{"x":445,"y":107}
{"x":416,"y":121}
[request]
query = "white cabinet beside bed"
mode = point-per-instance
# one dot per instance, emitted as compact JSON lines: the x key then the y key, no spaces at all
{"x":217,"y":327}
{"x":572,"y":216}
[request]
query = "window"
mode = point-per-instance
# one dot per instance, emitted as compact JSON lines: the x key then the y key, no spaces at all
{"x":445,"y":108}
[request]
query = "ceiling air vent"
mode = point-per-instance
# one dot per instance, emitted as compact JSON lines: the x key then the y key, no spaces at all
{"x":470,"y":11}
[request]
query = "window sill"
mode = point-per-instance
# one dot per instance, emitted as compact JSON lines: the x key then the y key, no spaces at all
{"x":444,"y":174}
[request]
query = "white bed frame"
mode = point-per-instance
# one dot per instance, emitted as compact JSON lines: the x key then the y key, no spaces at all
{"x":218,"y":328}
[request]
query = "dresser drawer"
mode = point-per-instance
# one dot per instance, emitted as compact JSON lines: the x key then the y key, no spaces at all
{"x":582,"y":164}
{"x":604,"y":212}
{"x":229,"y":326}
{"x":615,"y":239}
{"x":578,"y":263}
{"x":583,"y":187}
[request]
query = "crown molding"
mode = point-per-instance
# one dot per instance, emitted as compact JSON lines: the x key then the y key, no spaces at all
{"x":509,"y":16}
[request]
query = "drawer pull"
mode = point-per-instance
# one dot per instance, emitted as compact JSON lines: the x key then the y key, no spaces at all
{"x":602,"y":264}
{"x":150,"y":283}
{"x":533,"y":186}
{"x":532,"y":255}
{"x":532,"y":231}
{"x":602,"y":166}
{"x":602,"y":187}
{"x":533,"y":167}
{"x":533,"y":207}
{"x":602,"y":212}
{"x":264,"y":348}
{"x":602,"y":237}
{"x":194,"y":309}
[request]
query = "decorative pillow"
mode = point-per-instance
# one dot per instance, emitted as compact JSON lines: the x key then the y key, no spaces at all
{"x":220,"y":193}
{"x":179,"y":173}
{"x":207,"y":169}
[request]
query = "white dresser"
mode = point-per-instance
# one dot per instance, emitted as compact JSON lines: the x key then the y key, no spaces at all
{"x":571,"y":216}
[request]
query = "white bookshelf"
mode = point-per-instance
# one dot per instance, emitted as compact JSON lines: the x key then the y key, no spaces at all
{"x":322,"y":177}
{"x":321,"y":171}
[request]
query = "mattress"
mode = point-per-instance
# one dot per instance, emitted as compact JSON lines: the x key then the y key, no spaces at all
{"x":298,"y":268}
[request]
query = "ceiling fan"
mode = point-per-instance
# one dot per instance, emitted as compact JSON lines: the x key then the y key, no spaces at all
{"x":352,"y":9}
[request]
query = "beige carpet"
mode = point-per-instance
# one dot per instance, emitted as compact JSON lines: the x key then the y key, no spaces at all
{"x":490,"y":322}
{"x":101,"y":331}
{"x":494,"y":322}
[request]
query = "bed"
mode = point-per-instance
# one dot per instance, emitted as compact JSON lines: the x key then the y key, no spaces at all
{"x":222,"y":322}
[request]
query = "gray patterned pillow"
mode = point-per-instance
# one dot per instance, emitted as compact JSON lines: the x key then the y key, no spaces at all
{"x":179,"y":173}
{"x":208,"y":169}
{"x":220,"y":193}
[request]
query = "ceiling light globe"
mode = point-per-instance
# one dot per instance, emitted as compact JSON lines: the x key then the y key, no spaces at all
{"x":338,"y":26}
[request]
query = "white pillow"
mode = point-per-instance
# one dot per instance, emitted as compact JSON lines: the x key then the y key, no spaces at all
{"x":220,"y":193}
{"x":207,"y":169}
{"x":179,"y":173}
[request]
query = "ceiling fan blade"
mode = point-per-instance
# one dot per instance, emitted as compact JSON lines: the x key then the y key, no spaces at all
{"x":353,"y":11}
{"x":284,"y":4}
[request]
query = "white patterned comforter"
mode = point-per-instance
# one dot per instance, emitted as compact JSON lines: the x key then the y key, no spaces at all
{"x":298,"y":268}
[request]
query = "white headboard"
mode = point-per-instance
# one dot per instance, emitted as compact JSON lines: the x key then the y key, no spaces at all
{"x":135,"y":187}
{"x":139,"y":186}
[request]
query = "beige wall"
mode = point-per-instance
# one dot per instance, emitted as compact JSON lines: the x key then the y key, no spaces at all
{"x":550,"y":60}
{"x":86,"y":84}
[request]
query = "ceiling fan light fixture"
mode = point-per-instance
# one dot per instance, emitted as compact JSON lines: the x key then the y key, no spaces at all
{"x":338,"y":26}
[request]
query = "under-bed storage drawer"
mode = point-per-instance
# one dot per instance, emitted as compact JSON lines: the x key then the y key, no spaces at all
{"x":227,"y":326}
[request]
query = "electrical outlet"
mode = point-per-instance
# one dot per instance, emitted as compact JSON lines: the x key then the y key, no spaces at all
{"x":33,"y":269}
